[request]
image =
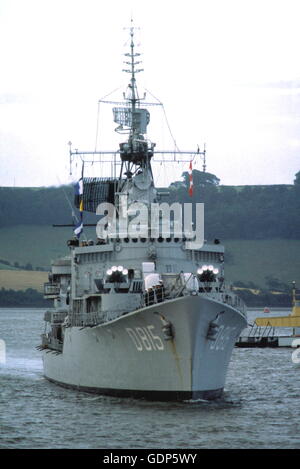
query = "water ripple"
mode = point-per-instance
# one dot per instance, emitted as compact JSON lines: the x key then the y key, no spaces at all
{"x":259,"y":408}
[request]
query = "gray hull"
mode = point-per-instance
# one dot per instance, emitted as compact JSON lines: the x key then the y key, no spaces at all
{"x":131,"y":357}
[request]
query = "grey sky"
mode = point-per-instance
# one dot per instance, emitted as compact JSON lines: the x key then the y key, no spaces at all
{"x":228,"y":74}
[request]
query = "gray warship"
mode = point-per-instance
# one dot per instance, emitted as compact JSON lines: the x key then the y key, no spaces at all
{"x":138,"y":313}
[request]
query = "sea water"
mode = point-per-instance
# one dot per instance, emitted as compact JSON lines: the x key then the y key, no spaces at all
{"x":260,"y":407}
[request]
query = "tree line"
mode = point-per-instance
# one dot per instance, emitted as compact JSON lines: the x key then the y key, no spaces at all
{"x":243,"y":212}
{"x":23,"y":298}
{"x":19,"y":266}
{"x":231,"y":212}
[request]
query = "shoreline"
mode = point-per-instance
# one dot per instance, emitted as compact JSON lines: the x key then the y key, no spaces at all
{"x":250,"y":309}
{"x":273,"y":308}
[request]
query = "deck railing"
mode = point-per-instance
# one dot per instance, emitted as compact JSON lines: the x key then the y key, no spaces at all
{"x":51,"y":289}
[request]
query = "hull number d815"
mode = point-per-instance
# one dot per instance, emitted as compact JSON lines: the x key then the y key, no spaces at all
{"x":224,"y":335}
{"x":144,"y":338}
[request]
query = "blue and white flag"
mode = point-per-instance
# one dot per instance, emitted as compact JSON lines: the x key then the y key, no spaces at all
{"x":78,"y":228}
{"x":78,"y":194}
{"x":79,"y":204}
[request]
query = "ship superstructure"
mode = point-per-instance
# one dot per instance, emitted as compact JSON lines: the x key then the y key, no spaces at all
{"x":142,"y":310}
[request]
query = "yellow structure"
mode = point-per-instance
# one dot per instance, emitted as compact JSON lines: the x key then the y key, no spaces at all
{"x":293,"y":320}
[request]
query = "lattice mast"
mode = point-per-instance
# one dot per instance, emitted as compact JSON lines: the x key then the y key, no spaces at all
{"x":137,"y":151}
{"x":133,"y":98}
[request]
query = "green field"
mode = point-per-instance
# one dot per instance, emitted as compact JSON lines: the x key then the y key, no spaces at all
{"x":247,"y":261}
{"x":7,"y":267}
{"x":22,"y":279}
{"x":35,"y":244}
{"x":254,"y":260}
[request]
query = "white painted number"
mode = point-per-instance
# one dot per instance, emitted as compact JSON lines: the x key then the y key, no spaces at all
{"x":144,"y":338}
{"x":225,"y":333}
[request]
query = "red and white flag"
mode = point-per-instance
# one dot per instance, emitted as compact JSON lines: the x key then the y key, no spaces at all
{"x":191,"y":188}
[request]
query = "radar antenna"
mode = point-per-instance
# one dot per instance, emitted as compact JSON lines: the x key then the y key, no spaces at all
{"x":133,"y":119}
